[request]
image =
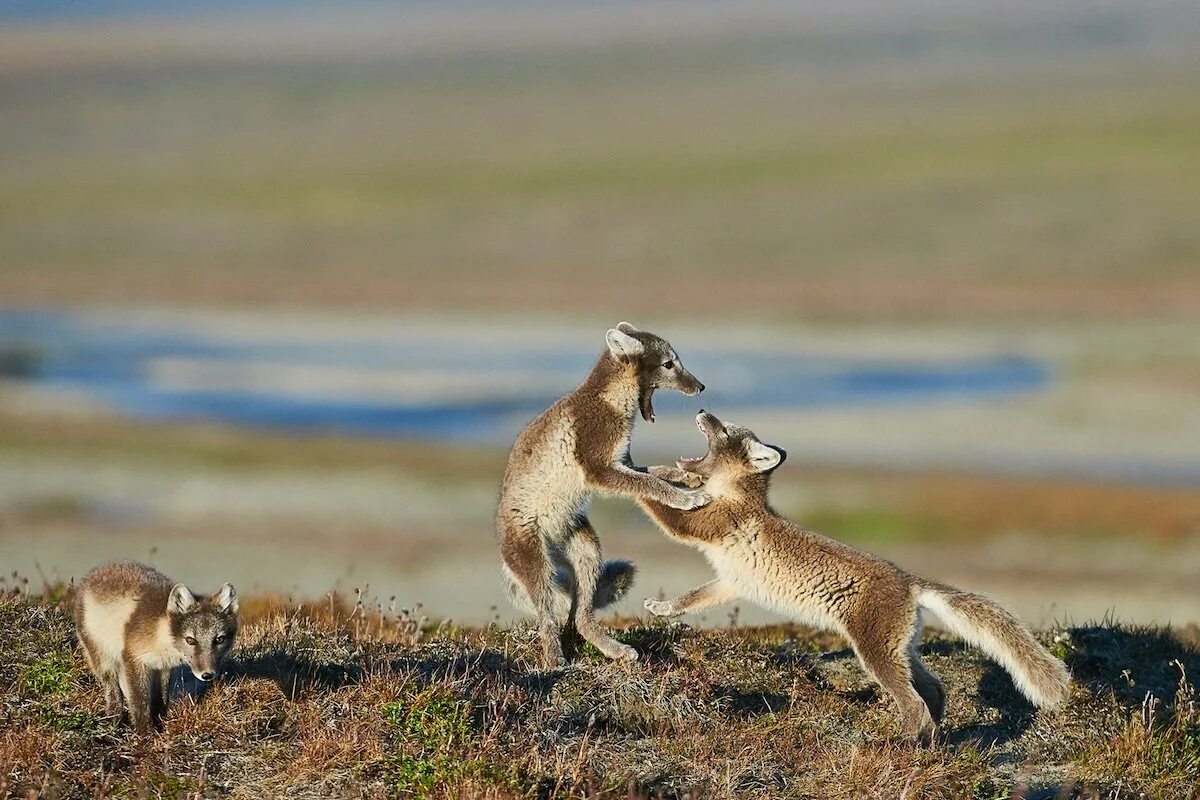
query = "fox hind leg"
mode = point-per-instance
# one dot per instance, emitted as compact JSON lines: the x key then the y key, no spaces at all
{"x":928,"y":685}
{"x":527,"y":563}
{"x":107,"y":674}
{"x":582,"y":551}
{"x":884,"y":651}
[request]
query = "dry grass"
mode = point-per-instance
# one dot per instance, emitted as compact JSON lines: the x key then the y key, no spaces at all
{"x":351,"y":699}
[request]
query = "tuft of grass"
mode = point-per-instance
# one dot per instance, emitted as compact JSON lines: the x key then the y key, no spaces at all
{"x":1158,"y":749}
{"x":432,"y":727}
{"x":50,"y":676}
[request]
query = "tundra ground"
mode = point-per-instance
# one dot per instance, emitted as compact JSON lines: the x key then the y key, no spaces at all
{"x":337,"y":699}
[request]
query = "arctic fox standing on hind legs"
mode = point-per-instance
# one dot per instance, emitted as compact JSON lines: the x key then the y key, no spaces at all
{"x":772,"y":562}
{"x":578,"y":446}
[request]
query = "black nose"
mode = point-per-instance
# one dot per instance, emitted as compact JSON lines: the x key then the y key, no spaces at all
{"x":702,"y":411}
{"x":206,"y":676}
{"x":701,"y":389}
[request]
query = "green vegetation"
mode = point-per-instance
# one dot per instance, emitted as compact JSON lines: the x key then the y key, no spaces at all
{"x":326,"y":702}
{"x":436,"y":725}
{"x":49,"y":676}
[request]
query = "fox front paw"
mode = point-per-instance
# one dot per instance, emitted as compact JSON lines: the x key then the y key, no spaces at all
{"x":678,"y":476}
{"x":661,"y":608}
{"x":686,"y":501}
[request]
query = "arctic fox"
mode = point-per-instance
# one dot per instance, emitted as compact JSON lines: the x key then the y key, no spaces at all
{"x":135,"y":624}
{"x":578,"y":446}
{"x":877,"y":606}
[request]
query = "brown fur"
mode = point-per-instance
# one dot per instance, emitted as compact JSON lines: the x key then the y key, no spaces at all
{"x":135,"y":624}
{"x":877,"y":606}
{"x":578,"y":446}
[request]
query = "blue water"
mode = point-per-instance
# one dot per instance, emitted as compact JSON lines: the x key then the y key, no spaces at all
{"x":106,"y":360}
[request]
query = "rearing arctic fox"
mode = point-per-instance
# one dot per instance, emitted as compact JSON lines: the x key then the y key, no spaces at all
{"x":578,"y":446}
{"x":877,"y":606}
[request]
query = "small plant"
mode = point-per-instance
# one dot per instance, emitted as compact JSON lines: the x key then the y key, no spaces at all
{"x":50,"y":676}
{"x":437,"y":725}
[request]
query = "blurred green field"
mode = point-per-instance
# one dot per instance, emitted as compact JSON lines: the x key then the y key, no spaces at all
{"x":837,"y":171}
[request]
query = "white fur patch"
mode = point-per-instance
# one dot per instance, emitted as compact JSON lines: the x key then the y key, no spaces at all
{"x":104,"y":623}
{"x":760,"y":579}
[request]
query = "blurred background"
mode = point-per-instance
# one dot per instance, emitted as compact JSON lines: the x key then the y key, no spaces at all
{"x":280,"y":282}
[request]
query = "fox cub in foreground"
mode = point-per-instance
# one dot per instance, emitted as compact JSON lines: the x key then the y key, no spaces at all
{"x":578,"y":446}
{"x":135,"y":624}
{"x":877,"y":606}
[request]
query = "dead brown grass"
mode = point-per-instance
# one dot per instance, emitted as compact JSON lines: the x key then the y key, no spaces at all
{"x":329,"y":700}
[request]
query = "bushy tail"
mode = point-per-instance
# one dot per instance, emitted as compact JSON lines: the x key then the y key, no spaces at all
{"x":616,"y":579}
{"x":1040,"y":676}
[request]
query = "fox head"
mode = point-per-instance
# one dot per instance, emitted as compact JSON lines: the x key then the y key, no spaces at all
{"x":734,"y":453}
{"x":202,"y":629}
{"x":658,"y":365}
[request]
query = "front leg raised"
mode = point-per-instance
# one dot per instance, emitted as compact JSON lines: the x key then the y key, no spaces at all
{"x":622,"y":479}
{"x":675,"y":475}
{"x":713,"y":593}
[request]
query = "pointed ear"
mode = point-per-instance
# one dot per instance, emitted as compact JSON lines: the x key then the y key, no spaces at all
{"x":181,"y":600}
{"x":762,"y":457}
{"x":622,"y":345}
{"x":226,"y":599}
{"x":625,"y":327}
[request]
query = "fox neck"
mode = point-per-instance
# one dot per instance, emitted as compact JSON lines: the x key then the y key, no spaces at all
{"x":744,"y":494}
{"x":616,"y":382}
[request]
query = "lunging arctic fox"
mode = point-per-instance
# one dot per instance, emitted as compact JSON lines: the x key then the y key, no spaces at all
{"x":877,"y":606}
{"x":135,"y":624}
{"x":580,"y":445}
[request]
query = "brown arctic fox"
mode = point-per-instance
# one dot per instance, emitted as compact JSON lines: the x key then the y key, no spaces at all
{"x":877,"y":606}
{"x":578,"y":446}
{"x":135,"y":624}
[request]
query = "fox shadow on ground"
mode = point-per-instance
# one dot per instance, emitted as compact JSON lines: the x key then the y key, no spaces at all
{"x":1131,"y":661}
{"x":294,"y":675}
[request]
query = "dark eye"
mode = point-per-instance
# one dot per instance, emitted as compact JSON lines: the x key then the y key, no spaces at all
{"x":669,"y":365}
{"x":219,"y":639}
{"x":190,"y":640}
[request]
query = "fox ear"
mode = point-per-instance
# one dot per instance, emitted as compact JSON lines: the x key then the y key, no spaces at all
{"x":625,"y":327}
{"x":181,"y":600}
{"x":763,"y":457}
{"x":226,"y":599}
{"x":622,"y":345}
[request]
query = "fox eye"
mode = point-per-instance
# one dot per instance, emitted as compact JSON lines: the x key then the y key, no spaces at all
{"x":190,"y":640}
{"x":669,"y":365}
{"x":219,"y":639}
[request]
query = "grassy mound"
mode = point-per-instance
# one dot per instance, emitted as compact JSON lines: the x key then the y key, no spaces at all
{"x":339,"y":700}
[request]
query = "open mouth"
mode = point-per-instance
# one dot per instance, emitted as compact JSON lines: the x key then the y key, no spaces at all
{"x":694,"y":463}
{"x":647,"y":404}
